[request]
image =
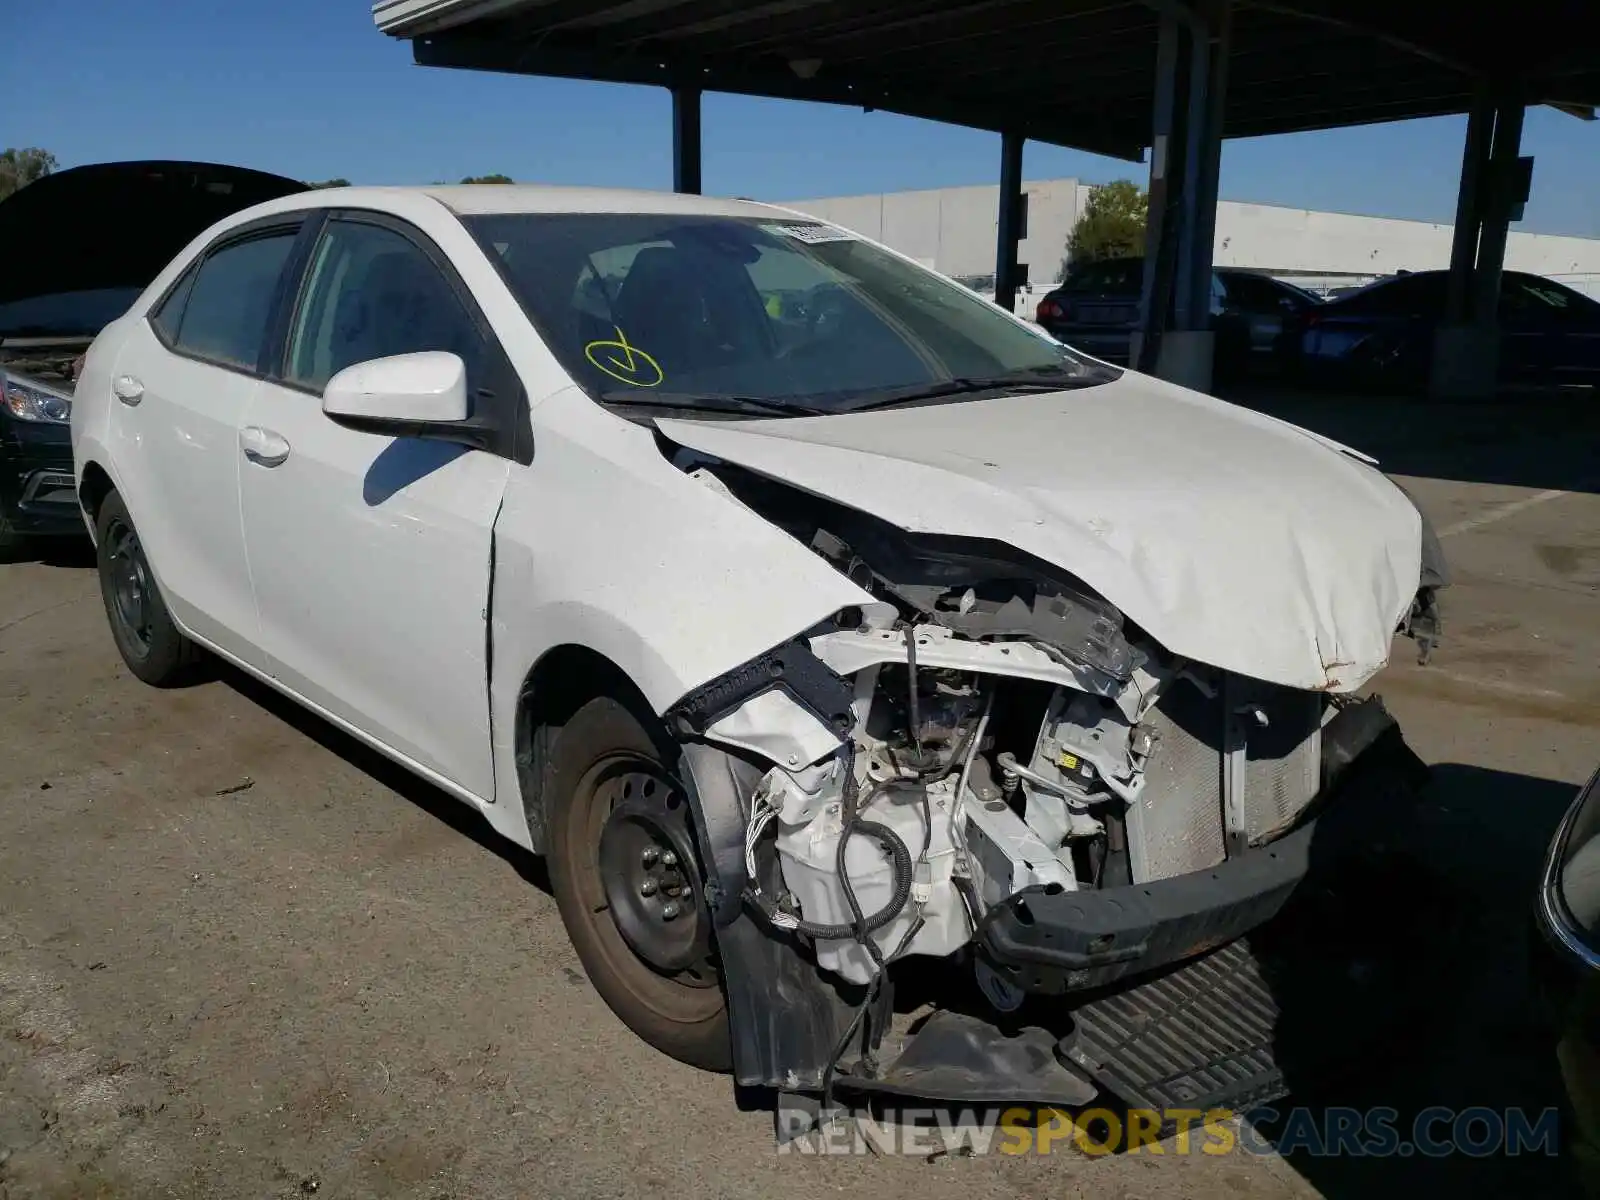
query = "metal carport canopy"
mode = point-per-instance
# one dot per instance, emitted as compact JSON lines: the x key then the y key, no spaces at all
{"x":1077,"y":73}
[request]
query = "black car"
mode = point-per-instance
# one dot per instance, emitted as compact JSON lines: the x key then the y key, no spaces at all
{"x":1568,"y":968}
{"x":76,"y":248}
{"x":1383,"y":334}
{"x":1096,"y":310}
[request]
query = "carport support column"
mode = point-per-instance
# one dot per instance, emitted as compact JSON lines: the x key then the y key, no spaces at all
{"x":1466,"y":348}
{"x":686,"y":140}
{"x":1469,"y":209}
{"x":1161,"y":220}
{"x":1497,"y":216}
{"x":1010,"y":223}
{"x":1186,"y":350}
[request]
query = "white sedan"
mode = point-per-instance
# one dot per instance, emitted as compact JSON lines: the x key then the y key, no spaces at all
{"x":807,"y":611}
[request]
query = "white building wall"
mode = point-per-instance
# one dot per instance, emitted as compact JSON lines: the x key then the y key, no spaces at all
{"x":954,"y":230}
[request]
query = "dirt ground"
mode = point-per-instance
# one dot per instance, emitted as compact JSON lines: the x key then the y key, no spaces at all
{"x":242,"y":957}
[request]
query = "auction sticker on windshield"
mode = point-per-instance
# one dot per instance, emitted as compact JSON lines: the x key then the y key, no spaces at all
{"x":810,"y":234}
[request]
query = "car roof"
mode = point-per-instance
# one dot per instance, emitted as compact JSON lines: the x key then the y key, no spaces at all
{"x":484,"y":199}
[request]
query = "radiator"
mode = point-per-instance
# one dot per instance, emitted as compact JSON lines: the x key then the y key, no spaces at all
{"x":1179,"y":825}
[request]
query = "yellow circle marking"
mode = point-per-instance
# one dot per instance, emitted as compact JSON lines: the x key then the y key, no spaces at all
{"x":624,"y":362}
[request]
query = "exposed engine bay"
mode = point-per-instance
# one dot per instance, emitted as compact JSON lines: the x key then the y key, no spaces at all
{"x":1000,"y":730}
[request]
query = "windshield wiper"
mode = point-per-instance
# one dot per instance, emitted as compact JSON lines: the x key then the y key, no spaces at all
{"x":1032,"y":382}
{"x":696,"y":402}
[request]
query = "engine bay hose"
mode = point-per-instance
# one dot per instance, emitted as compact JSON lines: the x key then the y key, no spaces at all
{"x":900,"y":859}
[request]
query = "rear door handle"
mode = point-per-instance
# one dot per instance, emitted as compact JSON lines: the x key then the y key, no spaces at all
{"x":262,"y":446}
{"x":128,"y":389}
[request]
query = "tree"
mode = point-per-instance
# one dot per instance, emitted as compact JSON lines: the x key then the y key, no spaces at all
{"x":19,"y":168}
{"x":1110,"y":226}
{"x":488,"y":179}
{"x":328,"y":183}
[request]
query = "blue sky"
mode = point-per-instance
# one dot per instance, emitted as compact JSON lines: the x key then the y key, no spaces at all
{"x":309,"y":88}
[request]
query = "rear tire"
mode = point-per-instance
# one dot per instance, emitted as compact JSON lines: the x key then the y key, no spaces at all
{"x":619,"y":831}
{"x":152,"y":645}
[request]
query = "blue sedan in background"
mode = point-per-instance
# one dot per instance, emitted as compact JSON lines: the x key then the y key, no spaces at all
{"x":1383,"y":333}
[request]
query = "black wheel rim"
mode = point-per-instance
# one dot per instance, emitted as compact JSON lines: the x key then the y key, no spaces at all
{"x":649,"y":875}
{"x":128,"y":577}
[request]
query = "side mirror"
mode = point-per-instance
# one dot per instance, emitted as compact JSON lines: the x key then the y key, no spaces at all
{"x":397,"y":395}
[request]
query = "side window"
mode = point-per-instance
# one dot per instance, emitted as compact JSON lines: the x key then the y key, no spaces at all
{"x":225,"y":308}
{"x":372,"y":293}
{"x":169,"y":314}
{"x":1253,"y":294}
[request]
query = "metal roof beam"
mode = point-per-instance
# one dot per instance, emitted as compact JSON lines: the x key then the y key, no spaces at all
{"x":481,"y":53}
{"x":1307,"y":11}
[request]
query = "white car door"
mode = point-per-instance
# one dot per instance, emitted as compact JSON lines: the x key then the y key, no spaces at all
{"x":371,"y":554}
{"x":181,"y":384}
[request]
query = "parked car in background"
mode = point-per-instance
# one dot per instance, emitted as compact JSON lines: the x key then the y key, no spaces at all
{"x":1567,"y":968}
{"x":1383,"y":334}
{"x":76,"y":248}
{"x":694,"y":598}
{"x":1096,"y":310}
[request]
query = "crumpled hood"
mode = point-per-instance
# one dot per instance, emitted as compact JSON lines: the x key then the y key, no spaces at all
{"x":1231,"y":537}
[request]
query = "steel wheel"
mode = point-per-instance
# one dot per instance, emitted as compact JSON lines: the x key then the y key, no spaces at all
{"x":624,"y":869}
{"x":149,"y":640}
{"x":130,"y":583}
{"x":648,"y":874}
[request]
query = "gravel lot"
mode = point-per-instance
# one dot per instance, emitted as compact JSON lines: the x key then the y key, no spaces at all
{"x":240,"y":956}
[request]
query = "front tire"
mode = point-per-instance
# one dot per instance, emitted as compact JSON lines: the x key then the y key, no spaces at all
{"x":152,"y":645}
{"x":623,"y":869}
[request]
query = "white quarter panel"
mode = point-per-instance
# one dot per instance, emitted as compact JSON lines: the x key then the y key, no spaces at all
{"x":371,"y":562}
{"x":92,"y":402}
{"x":176,"y":455}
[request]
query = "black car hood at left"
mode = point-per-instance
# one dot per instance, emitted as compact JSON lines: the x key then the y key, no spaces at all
{"x":116,"y":225}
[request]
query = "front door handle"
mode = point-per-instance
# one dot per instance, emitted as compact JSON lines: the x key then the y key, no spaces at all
{"x":128,"y":389}
{"x":262,"y":446}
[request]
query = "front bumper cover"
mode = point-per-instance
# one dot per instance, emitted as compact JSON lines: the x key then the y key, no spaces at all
{"x":37,"y":490}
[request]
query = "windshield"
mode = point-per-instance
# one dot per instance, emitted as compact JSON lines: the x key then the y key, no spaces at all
{"x":66,"y":314}
{"x":728,"y":314}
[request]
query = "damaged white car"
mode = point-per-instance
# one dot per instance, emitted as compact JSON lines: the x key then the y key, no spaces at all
{"x":809,"y":613}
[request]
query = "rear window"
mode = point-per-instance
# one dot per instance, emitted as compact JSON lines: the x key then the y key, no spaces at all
{"x":1405,"y":295}
{"x":228,"y":301}
{"x":1114,"y":276}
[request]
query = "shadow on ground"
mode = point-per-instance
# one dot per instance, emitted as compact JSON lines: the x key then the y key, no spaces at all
{"x":1538,"y":439}
{"x":1457,"y":1028}
{"x":75,"y":552}
{"x":457,"y":814}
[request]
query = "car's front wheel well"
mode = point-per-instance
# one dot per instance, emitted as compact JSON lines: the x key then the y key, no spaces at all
{"x":93,"y":489}
{"x":560,"y":683}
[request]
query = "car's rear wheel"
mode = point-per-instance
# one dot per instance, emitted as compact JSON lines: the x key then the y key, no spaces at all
{"x":625,"y":874}
{"x":152,"y":645}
